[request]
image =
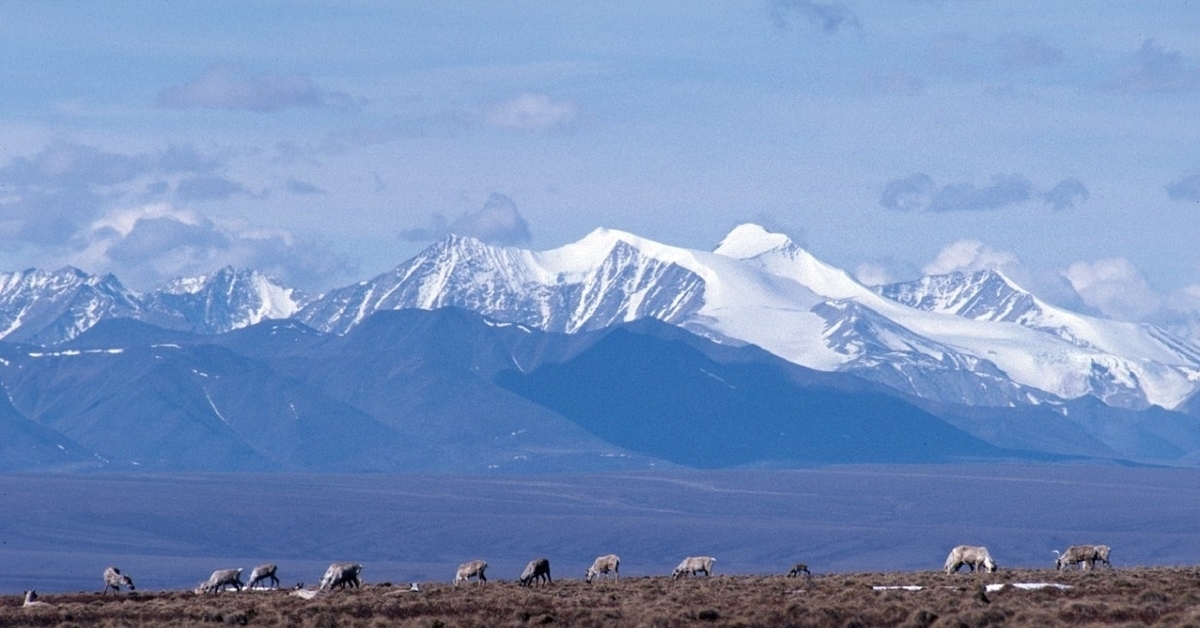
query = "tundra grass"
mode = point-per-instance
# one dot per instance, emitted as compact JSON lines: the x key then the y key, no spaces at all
{"x":1121,"y":597}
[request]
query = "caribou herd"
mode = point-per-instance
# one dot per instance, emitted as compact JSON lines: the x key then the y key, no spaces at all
{"x":345,"y":575}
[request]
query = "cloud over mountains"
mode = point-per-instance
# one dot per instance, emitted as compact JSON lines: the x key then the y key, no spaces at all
{"x":231,"y":86}
{"x":1153,"y":69}
{"x":497,"y":222}
{"x":918,"y":192}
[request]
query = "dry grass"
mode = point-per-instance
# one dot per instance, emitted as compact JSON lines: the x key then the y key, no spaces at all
{"x":1128,"y":597}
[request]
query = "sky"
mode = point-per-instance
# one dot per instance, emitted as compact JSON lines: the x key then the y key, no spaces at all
{"x":327,"y":142}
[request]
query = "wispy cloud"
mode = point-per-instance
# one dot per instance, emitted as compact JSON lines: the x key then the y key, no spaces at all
{"x":1065,"y":194}
{"x":1003,"y":57}
{"x":295,"y":186}
{"x":530,"y":112}
{"x":911,"y":193}
{"x":1186,"y":188}
{"x":894,"y":83}
{"x":230,"y":86}
{"x":1019,"y":51}
{"x":1004,"y":190}
{"x":1181,"y":312}
{"x":150,"y":244}
{"x":208,"y":188}
{"x":1115,"y":287}
{"x":919,"y":192}
{"x":49,"y":195}
{"x":969,"y":256}
{"x":108,"y":211}
{"x":828,"y":17}
{"x":497,"y":222}
{"x":1154,"y":70}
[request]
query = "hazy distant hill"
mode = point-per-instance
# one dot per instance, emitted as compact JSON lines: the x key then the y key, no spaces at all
{"x":448,"y":390}
{"x":664,"y":398}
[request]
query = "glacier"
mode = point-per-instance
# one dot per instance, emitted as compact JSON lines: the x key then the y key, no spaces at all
{"x":963,"y":338}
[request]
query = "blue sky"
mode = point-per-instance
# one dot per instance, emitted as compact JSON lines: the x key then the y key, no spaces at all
{"x":328,"y":142}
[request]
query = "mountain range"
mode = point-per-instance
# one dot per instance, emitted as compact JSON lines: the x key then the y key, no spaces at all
{"x":611,"y":352}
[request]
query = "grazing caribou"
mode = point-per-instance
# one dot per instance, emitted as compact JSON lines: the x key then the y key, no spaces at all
{"x":473,"y":569}
{"x":1085,"y":555}
{"x":972,"y":556}
{"x":114,"y":579}
{"x":603,"y":565}
{"x":263,"y":572}
{"x":538,"y":570}
{"x":693,"y":565}
{"x":799,"y":568}
{"x":220,"y":579}
{"x":341,"y":575}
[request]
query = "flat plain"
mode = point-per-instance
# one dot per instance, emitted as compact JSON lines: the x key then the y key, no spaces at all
{"x":58,"y":532}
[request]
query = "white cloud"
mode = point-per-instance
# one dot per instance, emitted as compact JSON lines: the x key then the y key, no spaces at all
{"x":122,"y":221}
{"x":1181,"y":314}
{"x":970,"y":256}
{"x":530,"y":112}
{"x":1115,"y":287}
{"x":149,"y":244}
{"x":873,"y":274}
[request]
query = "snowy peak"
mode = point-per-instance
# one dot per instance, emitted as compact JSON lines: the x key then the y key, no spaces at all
{"x":44,"y":307}
{"x":967,"y":338}
{"x":778,"y":255}
{"x":985,"y":295}
{"x":225,"y":300}
{"x":964,"y":337}
{"x":603,"y":279}
{"x":750,"y":240}
{"x":47,"y":308}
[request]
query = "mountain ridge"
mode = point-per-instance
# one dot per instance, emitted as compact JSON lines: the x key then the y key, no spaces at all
{"x":974,"y":338}
{"x":448,"y":391}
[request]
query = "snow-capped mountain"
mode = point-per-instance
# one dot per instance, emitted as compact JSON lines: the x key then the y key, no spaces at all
{"x":46,"y":308}
{"x":981,"y":295}
{"x":1124,"y":364}
{"x":606,"y":278}
{"x":225,"y":300}
{"x":973,"y":339}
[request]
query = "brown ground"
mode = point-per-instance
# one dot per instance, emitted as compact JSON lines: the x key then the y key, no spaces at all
{"x":1125,"y":597}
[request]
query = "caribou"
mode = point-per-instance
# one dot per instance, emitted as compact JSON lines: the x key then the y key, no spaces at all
{"x":220,"y":579}
{"x":1085,"y":555}
{"x":799,"y":568}
{"x":693,"y":565}
{"x":341,"y":575}
{"x":262,"y":573}
{"x":114,"y":579}
{"x":603,"y":565}
{"x":473,"y":569}
{"x":31,"y":600}
{"x":971,"y":556}
{"x":538,"y":570}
